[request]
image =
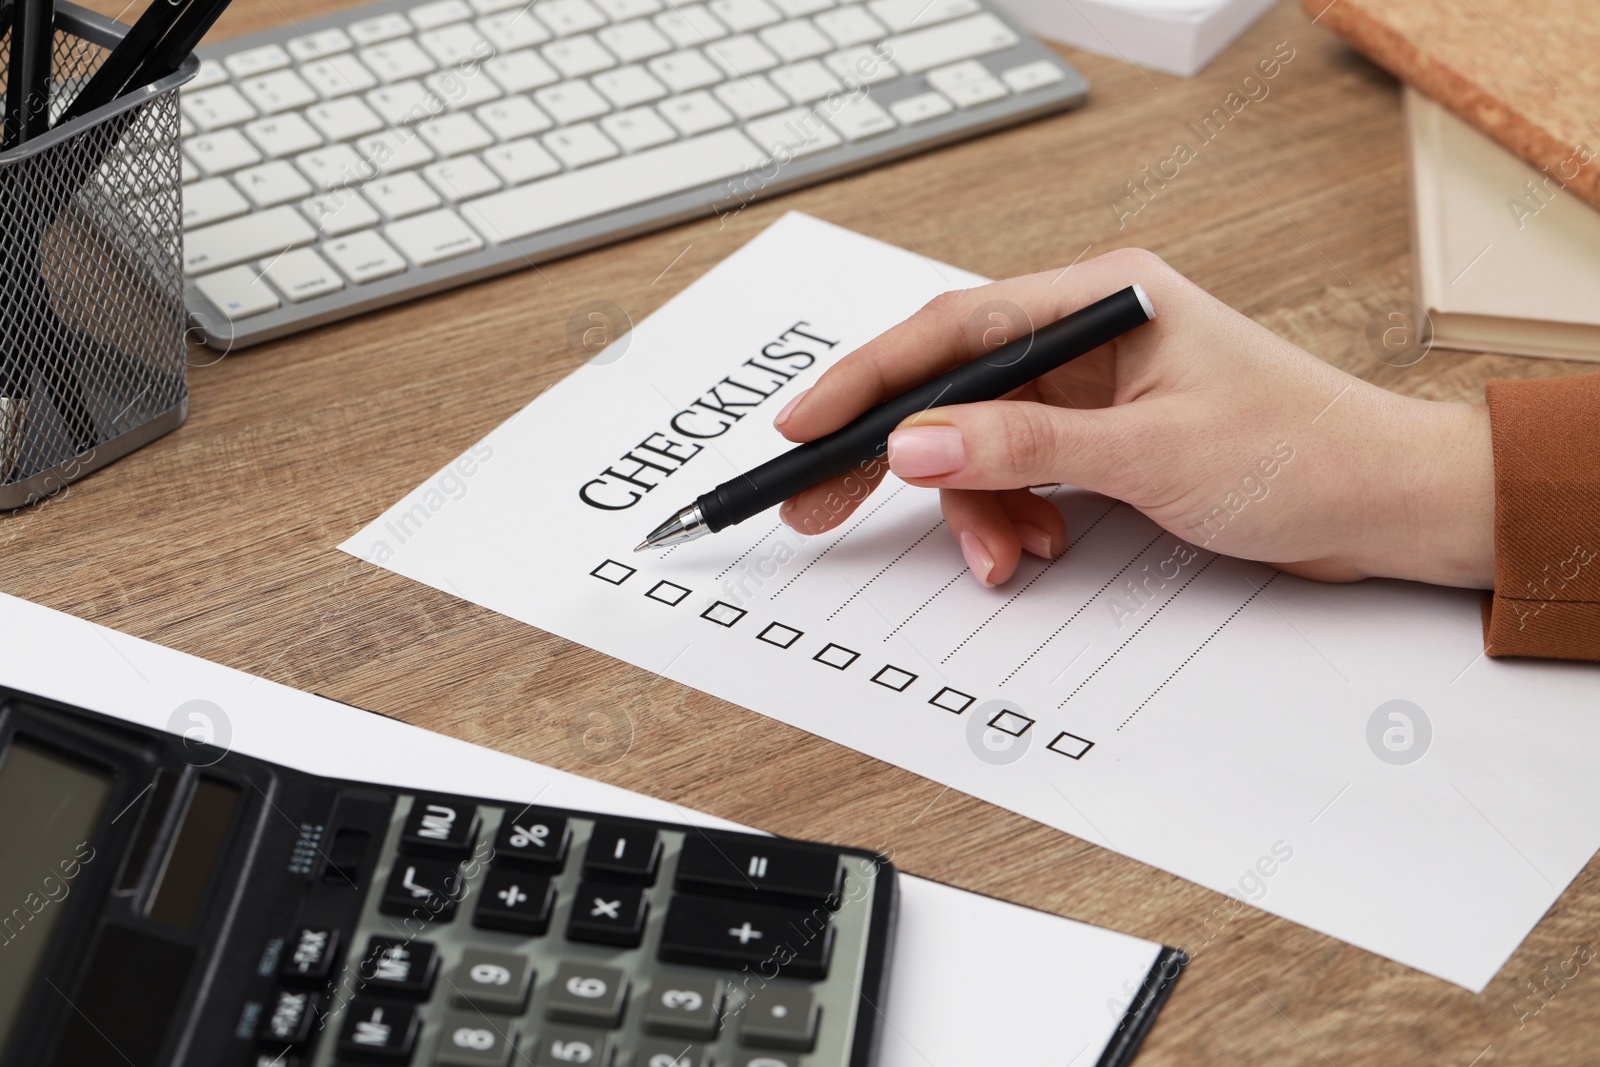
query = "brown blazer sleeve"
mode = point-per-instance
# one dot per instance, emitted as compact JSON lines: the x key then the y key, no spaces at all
{"x":1547,"y":519}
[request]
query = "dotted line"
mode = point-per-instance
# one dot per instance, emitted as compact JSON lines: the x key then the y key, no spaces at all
{"x":1140,"y":630}
{"x":925,"y":603}
{"x":885,"y":570}
{"x":1035,"y":578}
{"x":1203,"y":644}
{"x":1085,"y":607}
{"x":749,"y":550}
{"x":858,"y":524}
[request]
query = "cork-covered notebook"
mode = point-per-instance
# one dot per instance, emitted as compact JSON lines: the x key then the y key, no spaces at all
{"x":1524,"y":73}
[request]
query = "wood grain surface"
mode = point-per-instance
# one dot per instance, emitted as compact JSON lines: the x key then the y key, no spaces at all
{"x":219,"y":539}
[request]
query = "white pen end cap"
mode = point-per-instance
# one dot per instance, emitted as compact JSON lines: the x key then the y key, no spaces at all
{"x":1144,"y":301}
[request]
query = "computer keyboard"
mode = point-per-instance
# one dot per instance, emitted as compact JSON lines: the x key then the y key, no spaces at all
{"x":397,"y":149}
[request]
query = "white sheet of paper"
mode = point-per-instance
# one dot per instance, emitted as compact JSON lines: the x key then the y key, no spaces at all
{"x":972,"y":980}
{"x":1240,"y":720}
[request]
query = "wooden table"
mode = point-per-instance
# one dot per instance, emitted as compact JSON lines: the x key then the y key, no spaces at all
{"x":219,"y":539}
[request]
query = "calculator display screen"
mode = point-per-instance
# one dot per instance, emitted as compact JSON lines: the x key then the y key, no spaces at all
{"x":49,"y":809}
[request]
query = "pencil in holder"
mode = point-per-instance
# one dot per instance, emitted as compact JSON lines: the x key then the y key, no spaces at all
{"x":92,"y":319}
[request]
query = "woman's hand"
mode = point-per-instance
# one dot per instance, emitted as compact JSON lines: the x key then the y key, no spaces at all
{"x":1224,"y":433}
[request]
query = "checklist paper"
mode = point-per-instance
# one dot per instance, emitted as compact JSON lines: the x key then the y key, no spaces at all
{"x":1342,"y":756}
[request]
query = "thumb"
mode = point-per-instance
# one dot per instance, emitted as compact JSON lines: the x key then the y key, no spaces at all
{"x":1011,"y":444}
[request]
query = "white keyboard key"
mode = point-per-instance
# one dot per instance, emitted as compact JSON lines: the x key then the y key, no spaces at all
{"x":430,"y":239}
{"x":513,"y":117}
{"x":623,"y":10}
{"x":461,"y":179}
{"x":451,"y":135}
{"x":217,"y":108}
{"x":805,"y":83}
{"x":690,"y":26}
{"x":858,"y":118}
{"x":238,"y":293}
{"x":967,"y":84}
{"x":850,"y":25}
{"x":283,"y":135}
{"x":684,"y":71}
{"x":333,"y":167}
{"x":337,"y":76}
{"x":440,"y":13}
{"x":188,"y":171}
{"x":572,"y":102}
{"x":521,"y":161}
{"x":796,"y":9}
{"x":695,"y":113}
{"x":319,"y":45}
{"x":796,"y":40}
{"x":393,"y":151}
{"x":902,"y":15}
{"x":344,"y":120}
{"x":380,"y":28}
{"x":185,"y":127}
{"x":580,"y":145}
{"x":395,"y":61}
{"x":608,"y":186}
{"x":401,"y":195}
{"x":404,"y":103}
{"x":629,"y":86}
{"x":923,"y":50}
{"x":1031,"y":76}
{"x":462,"y":89}
{"x":261,"y":235}
{"x":795,"y":133}
{"x":513,"y":29}
{"x":742,"y":55}
{"x":281,"y":90}
{"x":569,"y":16}
{"x":742,"y":15}
{"x":578,"y":56}
{"x":302,"y":275}
{"x":221,"y":152}
{"x":921,"y":108}
{"x":633,"y":41}
{"x":272,"y":184}
{"x":521,"y":72}
{"x":460,"y":43}
{"x":337,"y":214}
{"x":254,"y":61}
{"x":638,"y":129}
{"x":364,"y":257}
{"x":210,"y":73}
{"x":751,"y":98}
{"x":861,"y":65}
{"x":490,"y":7}
{"x":211,"y":201}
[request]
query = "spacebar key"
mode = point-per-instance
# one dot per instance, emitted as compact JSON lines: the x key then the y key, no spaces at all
{"x":620,"y":183}
{"x":260,"y":236}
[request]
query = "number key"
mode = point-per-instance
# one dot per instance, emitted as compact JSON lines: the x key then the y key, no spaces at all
{"x":660,"y":1053}
{"x":588,"y":994}
{"x":684,"y":1006}
{"x":471,"y":1039}
{"x":493,"y":981}
{"x":562,"y":1046}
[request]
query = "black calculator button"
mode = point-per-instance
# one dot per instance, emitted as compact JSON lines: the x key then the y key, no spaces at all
{"x":374,"y":1032}
{"x":721,"y":864}
{"x":516,"y":901}
{"x":763,"y":1059}
{"x":472,"y":1039}
{"x":492,"y":981}
{"x":608,"y":914}
{"x":345,"y":861}
{"x":289,"y":1018}
{"x":535,"y":838}
{"x":684,"y":1005}
{"x":277,"y":1059}
{"x":393,"y":967}
{"x":588,"y":993}
{"x":563,"y":1046}
{"x":427,"y":890}
{"x":659,"y":1053}
{"x":440,"y":828}
{"x":709,"y":932}
{"x":780,"y":1017}
{"x":622,"y":853}
{"x":309,"y":953}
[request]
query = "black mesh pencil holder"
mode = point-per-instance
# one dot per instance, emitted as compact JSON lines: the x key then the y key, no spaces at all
{"x":91,"y":273}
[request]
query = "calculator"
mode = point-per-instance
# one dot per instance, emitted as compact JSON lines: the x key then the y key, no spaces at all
{"x":164,"y":901}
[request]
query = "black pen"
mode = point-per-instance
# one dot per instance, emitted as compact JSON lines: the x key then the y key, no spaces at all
{"x":988,"y":377}
{"x":28,"y":71}
{"x":155,"y":47}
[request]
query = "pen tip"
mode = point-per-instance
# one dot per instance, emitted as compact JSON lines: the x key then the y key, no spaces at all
{"x":642,"y":546}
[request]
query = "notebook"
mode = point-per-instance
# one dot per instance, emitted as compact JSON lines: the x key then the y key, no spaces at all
{"x":1177,"y":36}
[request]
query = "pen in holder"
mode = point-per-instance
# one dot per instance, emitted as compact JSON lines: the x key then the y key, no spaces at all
{"x":92,"y":320}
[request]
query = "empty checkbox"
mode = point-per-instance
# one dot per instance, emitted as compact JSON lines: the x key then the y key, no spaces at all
{"x":952,"y":700}
{"x":614,"y":572}
{"x":1010,"y":722}
{"x":894,"y":678}
{"x":778,"y":634}
{"x":1070,"y":745}
{"x":667,"y":593}
{"x":723,"y":614}
{"x":836,"y":656}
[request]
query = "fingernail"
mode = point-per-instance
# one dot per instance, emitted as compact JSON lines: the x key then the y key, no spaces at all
{"x":926,"y":451}
{"x":1035,"y":540}
{"x":783,"y":416}
{"x":978,"y":558}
